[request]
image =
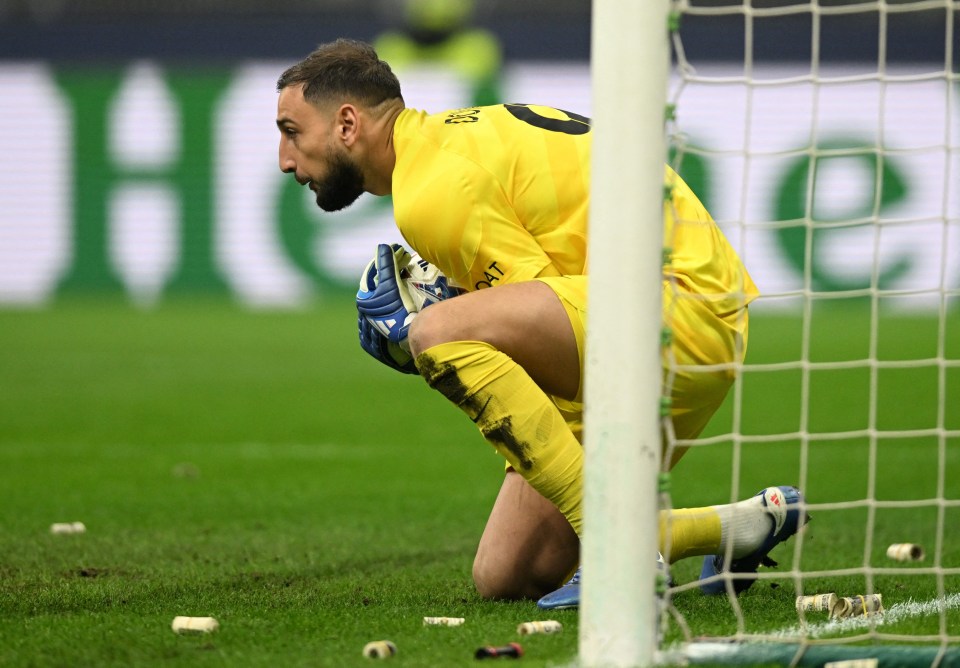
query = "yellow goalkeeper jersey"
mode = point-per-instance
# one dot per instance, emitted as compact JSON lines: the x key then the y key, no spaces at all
{"x":500,"y":194}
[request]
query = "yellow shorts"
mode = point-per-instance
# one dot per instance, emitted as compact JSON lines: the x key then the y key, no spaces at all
{"x":699,"y":337}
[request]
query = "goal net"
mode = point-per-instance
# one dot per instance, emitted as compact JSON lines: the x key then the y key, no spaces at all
{"x":824,"y":137}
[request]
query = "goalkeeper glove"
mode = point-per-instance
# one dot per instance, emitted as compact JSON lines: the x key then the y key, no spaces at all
{"x":382,"y":298}
{"x":382,"y":349}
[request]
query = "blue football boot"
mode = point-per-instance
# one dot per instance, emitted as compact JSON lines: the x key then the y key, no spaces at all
{"x":783,"y":505}
{"x":568,"y":596}
{"x":565,"y":598}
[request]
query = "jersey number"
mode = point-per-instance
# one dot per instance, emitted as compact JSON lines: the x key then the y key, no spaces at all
{"x":576,"y":125}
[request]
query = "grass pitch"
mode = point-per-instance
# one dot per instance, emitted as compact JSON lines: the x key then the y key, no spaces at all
{"x":257,"y":467}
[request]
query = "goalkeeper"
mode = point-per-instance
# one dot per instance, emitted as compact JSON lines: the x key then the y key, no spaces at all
{"x":497,"y":198}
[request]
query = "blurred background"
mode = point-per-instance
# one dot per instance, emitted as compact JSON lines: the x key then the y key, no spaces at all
{"x":228,"y":30}
{"x":138,"y":157}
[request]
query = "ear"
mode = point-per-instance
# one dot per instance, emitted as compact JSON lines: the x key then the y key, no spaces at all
{"x":347,"y":124}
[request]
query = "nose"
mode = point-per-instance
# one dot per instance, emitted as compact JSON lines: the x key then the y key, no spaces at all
{"x":287,"y":164}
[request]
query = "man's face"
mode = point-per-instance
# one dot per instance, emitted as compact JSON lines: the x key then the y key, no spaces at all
{"x":310,"y":151}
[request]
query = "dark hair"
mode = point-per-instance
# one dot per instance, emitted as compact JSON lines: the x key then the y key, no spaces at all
{"x":343,"y":69}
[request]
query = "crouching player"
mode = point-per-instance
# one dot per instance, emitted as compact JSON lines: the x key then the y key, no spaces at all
{"x":497,"y":198}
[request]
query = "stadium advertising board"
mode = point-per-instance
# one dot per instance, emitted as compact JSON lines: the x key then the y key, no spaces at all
{"x":150,"y":181}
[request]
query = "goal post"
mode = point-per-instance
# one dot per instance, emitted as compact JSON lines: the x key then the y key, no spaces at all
{"x":629,"y":72}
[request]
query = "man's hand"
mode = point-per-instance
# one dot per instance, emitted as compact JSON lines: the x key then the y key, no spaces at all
{"x":382,"y":349}
{"x":382,"y":299}
{"x":385,"y":311}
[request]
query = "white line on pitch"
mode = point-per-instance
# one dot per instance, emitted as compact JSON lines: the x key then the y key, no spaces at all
{"x":895,"y":613}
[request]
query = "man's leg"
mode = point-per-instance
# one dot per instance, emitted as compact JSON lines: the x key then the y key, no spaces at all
{"x":497,"y":354}
{"x":525,"y":321}
{"x":527,"y":547}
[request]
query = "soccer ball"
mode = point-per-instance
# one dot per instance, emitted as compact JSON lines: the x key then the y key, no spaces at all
{"x":420,"y":283}
{"x":426,"y":284}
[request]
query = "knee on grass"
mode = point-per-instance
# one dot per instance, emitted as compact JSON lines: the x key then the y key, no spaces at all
{"x":510,"y":584}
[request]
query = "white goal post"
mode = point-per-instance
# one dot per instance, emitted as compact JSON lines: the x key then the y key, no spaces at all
{"x":629,"y":71}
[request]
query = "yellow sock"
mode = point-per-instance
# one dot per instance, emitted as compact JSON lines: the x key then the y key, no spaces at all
{"x":693,"y":531}
{"x":514,"y":415}
{"x":743,"y":525}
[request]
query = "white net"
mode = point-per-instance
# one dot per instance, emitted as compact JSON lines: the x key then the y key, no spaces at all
{"x":824,"y":137}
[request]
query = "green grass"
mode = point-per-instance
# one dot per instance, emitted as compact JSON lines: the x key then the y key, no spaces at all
{"x":259,"y":468}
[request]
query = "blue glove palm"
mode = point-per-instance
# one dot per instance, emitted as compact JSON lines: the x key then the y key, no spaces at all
{"x":383,"y":349}
{"x":385,"y":311}
{"x":381,"y":298}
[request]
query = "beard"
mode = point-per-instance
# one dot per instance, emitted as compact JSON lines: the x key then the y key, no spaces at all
{"x":341,"y":188}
